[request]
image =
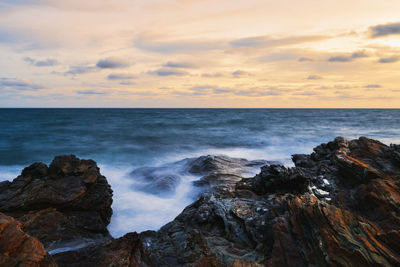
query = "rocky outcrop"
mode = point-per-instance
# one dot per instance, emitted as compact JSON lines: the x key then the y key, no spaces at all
{"x":339,"y":206}
{"x":18,"y":248}
{"x":63,"y":205}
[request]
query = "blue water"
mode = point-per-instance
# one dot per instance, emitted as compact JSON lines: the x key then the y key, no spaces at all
{"x":121,"y":140}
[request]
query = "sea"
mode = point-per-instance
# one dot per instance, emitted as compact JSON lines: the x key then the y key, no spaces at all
{"x":123,"y":141}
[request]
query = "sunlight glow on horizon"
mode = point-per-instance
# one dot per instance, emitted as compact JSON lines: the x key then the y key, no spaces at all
{"x":186,"y":53}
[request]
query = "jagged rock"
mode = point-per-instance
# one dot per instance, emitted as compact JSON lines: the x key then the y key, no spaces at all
{"x":20,"y":249}
{"x":66,"y":203}
{"x":339,"y":206}
{"x":223,"y":228}
{"x":124,"y":251}
{"x":312,"y":232}
{"x":277,"y":179}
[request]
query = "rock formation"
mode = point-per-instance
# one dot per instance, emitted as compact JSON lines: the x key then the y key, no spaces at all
{"x":339,"y":206}
{"x":18,"y":248}
{"x":63,"y":205}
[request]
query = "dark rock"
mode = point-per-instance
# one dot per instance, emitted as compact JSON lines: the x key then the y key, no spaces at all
{"x":339,"y":206}
{"x":314,"y":233}
{"x":161,"y":180}
{"x":68,"y":202}
{"x":221,"y":173}
{"x":215,"y":173}
{"x":277,"y":179}
{"x":124,"y":251}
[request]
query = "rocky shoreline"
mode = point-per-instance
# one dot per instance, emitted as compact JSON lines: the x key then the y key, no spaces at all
{"x":339,"y":206}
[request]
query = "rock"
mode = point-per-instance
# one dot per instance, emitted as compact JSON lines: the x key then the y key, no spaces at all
{"x":18,"y":248}
{"x":277,"y":179}
{"x":215,"y":173}
{"x":65,"y":203}
{"x":219,"y":174}
{"x":161,"y":180}
{"x":124,"y":251}
{"x":315,"y":233}
{"x":222,"y":228}
{"x":339,"y":206}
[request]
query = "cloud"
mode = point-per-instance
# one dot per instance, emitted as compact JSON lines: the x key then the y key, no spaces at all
{"x":112,"y":63}
{"x":371,"y":86}
{"x":354,"y":55}
{"x":120,"y":76}
{"x":277,"y":57}
{"x":212,"y":75}
{"x":340,"y":59}
{"x":314,"y":77}
{"x":305,"y":59}
{"x":388,"y":60}
{"x":210,"y":89}
{"x":359,"y":54}
{"x":42,"y":63}
{"x":201,"y":87}
{"x":306,"y":93}
{"x":385,"y":29}
{"x":168,"y":72}
{"x":157,"y":44}
{"x":252,"y":92}
{"x":19,"y":84}
{"x":80,"y":69}
{"x":91,"y":92}
{"x":257,"y":92}
{"x":181,"y":65}
{"x":267,"y":41}
{"x":240,"y":73}
{"x":222,"y":90}
{"x":126,"y":83}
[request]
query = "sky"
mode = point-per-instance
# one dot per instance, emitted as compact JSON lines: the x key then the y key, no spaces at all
{"x":200,"y":53}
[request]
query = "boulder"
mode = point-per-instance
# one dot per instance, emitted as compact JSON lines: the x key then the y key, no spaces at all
{"x":63,"y":205}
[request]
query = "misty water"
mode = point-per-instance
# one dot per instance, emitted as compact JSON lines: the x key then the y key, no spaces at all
{"x":124,"y":140}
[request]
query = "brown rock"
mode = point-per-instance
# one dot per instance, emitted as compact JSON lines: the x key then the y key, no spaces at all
{"x":18,"y":248}
{"x":316,"y":233}
{"x":62,"y":205}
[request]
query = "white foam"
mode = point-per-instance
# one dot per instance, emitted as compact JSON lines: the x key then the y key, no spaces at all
{"x":139,"y":211}
{"x":8,"y":173}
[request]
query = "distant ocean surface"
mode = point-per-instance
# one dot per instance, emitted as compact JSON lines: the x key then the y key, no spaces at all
{"x":122,"y":140}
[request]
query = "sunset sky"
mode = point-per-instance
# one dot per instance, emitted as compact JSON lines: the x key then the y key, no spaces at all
{"x":200,"y":53}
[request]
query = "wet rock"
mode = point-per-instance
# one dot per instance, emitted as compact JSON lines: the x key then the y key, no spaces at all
{"x":224,"y":229}
{"x":338,"y":207}
{"x":221,"y":173}
{"x":125,"y":251}
{"x":68,"y":201}
{"x":313,"y":232}
{"x":18,"y":248}
{"x":161,"y":180}
{"x":277,"y":179}
{"x":211,"y":173}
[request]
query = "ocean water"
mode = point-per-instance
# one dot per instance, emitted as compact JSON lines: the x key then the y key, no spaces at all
{"x":123,"y":140}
